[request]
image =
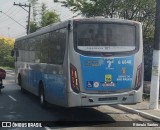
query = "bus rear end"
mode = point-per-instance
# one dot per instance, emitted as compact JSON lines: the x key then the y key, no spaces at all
{"x":105,"y":62}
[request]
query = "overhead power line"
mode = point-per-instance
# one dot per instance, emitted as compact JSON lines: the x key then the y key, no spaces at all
{"x":12,"y":18}
{"x":11,"y":23}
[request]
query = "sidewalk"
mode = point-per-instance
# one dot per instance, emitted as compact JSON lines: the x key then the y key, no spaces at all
{"x":142,"y":108}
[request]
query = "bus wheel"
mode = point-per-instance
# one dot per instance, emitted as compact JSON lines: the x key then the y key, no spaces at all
{"x":20,"y":84}
{"x":23,"y":90}
{"x":42,"y":96}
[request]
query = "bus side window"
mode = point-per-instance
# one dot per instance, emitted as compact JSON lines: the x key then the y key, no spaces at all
{"x":17,"y":53}
{"x":12,"y":52}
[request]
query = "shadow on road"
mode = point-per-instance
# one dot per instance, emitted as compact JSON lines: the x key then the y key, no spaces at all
{"x":27,"y":108}
{"x":76,"y":116}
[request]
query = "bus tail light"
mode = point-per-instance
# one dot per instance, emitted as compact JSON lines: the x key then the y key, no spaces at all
{"x":74,"y":79}
{"x":138,"y":77}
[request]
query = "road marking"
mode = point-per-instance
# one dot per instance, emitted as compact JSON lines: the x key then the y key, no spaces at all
{"x":12,"y":98}
{"x":47,"y":128}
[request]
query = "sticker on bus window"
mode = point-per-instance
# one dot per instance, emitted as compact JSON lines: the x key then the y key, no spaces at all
{"x":123,"y":71}
{"x":111,"y":84}
{"x":108,"y":78}
{"x":89,"y":84}
{"x":96,"y":84}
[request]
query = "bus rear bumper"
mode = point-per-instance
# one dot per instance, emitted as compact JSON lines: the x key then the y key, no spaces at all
{"x":84,"y":99}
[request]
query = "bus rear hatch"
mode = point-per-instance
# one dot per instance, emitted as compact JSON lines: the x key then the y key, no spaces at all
{"x":107,"y":74}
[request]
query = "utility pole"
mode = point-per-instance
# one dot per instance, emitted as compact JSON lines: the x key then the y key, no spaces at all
{"x":154,"y":93}
{"x":29,"y":13}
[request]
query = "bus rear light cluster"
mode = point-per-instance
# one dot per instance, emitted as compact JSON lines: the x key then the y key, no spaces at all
{"x":74,"y":79}
{"x":138,"y":77}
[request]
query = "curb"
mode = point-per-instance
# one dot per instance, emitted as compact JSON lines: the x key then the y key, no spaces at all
{"x":141,"y":113}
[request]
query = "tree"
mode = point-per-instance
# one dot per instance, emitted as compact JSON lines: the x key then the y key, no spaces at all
{"x":6,"y":45}
{"x":33,"y":26}
{"x":140,"y":10}
{"x":43,"y":9}
{"x":34,"y":7}
{"x":46,"y":17}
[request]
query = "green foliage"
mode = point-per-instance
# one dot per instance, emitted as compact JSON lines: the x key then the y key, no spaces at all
{"x":46,"y":17}
{"x":6,"y":45}
{"x":34,"y":4}
{"x":33,"y":26}
{"x":7,"y":67}
{"x":43,"y":9}
{"x":139,"y":10}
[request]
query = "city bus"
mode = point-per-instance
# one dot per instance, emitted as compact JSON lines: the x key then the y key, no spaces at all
{"x":82,"y":62}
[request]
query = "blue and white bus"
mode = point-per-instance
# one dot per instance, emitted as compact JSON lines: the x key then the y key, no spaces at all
{"x":82,"y":62}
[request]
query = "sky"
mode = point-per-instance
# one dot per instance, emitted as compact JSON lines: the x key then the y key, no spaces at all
{"x":12,"y":29}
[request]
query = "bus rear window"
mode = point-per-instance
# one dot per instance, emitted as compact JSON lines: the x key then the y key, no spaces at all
{"x":105,"y":37}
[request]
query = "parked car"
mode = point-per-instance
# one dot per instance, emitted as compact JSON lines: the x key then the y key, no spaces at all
{"x":2,"y":76}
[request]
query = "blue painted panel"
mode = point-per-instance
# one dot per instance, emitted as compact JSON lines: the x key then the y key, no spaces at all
{"x":54,"y":84}
{"x":107,"y":73}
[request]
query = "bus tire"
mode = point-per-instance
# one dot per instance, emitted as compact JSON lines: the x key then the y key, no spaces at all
{"x":20,"y":83}
{"x":43,"y":102}
{"x":19,"y":80}
{"x":23,"y":90}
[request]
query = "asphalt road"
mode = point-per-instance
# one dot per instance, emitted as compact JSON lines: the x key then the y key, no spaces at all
{"x":16,"y":106}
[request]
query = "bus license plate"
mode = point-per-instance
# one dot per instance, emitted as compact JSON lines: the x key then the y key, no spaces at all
{"x":108,"y":84}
